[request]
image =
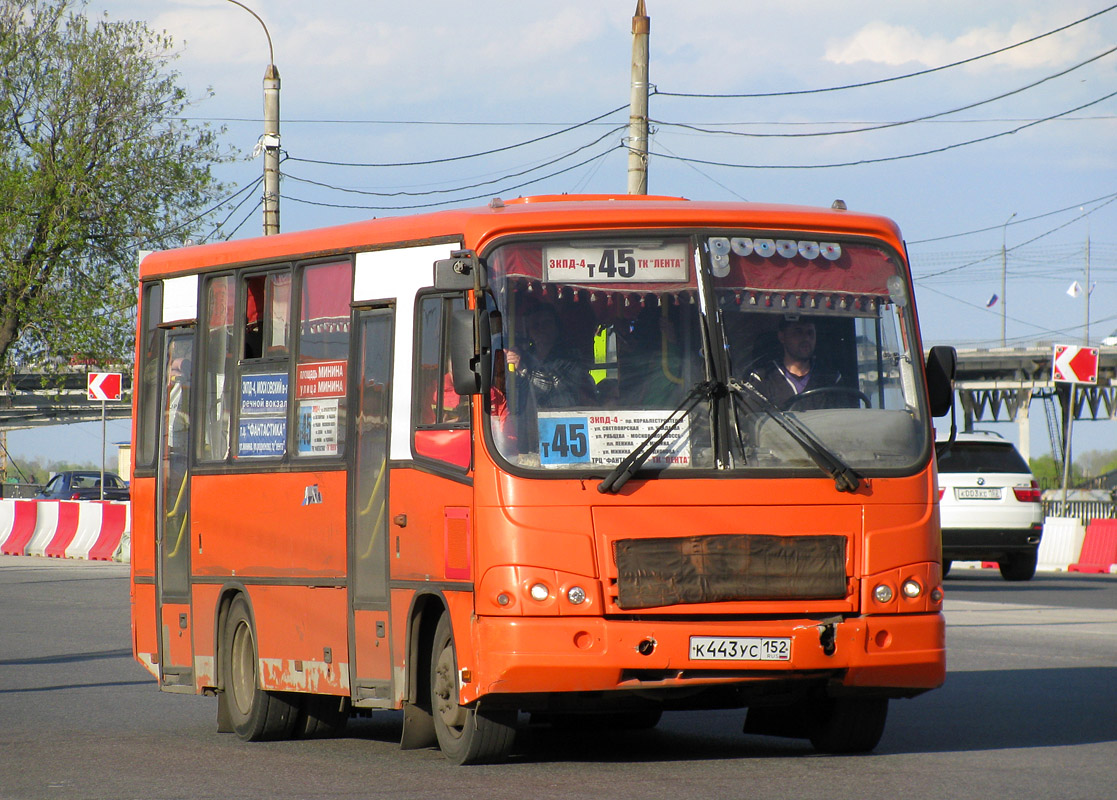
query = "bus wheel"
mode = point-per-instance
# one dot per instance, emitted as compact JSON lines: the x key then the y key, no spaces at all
{"x":255,"y":714}
{"x":847,"y":724}
{"x":946,"y":565}
{"x":465,"y":735}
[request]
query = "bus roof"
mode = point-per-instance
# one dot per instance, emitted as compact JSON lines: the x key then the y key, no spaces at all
{"x":477,"y":226}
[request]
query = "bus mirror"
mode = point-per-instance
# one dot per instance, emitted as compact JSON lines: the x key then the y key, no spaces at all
{"x":466,"y":357}
{"x":462,"y":270}
{"x":942,"y":363}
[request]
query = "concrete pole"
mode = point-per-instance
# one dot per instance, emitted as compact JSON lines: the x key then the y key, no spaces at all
{"x":1004,"y":277}
{"x":271,"y":150}
{"x":270,"y":140}
{"x":638,"y":103}
{"x":1086,"y":329}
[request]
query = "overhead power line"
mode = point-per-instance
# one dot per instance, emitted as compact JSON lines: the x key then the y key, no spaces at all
{"x":499,"y":192}
{"x":1017,"y":246}
{"x":895,"y":77}
{"x":885,"y":125}
{"x":997,"y":227}
{"x":448,"y":159}
{"x":369,"y":193}
{"x":883,"y":159}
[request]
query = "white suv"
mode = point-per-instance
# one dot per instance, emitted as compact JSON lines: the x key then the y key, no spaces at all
{"x":989,"y":505}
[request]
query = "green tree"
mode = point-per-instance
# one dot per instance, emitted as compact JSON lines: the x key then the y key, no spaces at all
{"x":95,"y":164}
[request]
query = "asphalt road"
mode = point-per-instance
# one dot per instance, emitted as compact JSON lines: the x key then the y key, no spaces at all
{"x":1029,"y":710}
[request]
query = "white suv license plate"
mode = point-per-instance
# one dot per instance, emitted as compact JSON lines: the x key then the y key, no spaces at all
{"x":974,"y":493}
{"x":733,"y":648}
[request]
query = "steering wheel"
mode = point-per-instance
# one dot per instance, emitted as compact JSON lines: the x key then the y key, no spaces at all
{"x":859,"y":396}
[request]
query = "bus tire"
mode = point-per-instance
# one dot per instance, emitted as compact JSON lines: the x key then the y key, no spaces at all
{"x":946,"y":565}
{"x":256,"y":715}
{"x":846,"y":724}
{"x":466,"y":735}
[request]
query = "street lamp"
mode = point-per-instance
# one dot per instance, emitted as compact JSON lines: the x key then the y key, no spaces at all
{"x":1004,"y":275}
{"x":269,"y":142}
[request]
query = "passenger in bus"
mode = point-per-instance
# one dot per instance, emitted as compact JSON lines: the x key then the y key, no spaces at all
{"x":795,"y":370}
{"x":554,"y":376}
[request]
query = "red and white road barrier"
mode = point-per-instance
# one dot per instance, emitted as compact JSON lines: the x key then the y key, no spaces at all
{"x":1099,"y":548}
{"x":89,"y":529}
{"x":1061,"y":543}
{"x":17,"y":525}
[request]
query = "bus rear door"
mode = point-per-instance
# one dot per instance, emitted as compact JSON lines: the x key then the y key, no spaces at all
{"x":172,"y":514}
{"x":370,"y":650}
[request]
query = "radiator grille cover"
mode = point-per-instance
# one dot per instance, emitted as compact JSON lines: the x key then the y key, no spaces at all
{"x":725,"y":567}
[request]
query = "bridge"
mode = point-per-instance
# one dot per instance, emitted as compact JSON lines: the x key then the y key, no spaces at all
{"x":999,"y":384}
{"x":36,"y":400}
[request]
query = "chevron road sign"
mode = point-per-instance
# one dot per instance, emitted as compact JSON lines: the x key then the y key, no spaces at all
{"x":1073,"y":364}
{"x":103,"y":385}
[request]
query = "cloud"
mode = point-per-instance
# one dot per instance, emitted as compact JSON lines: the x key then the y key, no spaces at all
{"x":884,"y":43}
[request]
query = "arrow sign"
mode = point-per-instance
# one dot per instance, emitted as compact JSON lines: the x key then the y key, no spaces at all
{"x":103,"y":385}
{"x":1075,"y":364}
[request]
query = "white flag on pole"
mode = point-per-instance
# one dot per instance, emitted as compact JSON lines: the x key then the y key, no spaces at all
{"x":1075,"y":289}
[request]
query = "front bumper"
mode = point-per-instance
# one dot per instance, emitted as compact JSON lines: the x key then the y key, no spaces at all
{"x":902,"y":653}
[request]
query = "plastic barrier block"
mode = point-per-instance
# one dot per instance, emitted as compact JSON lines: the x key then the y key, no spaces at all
{"x":89,"y":529}
{"x":68,"y":514}
{"x":1099,"y":548}
{"x":1061,"y":543}
{"x":23,"y":513}
{"x":114,"y":516}
{"x":46,"y":525}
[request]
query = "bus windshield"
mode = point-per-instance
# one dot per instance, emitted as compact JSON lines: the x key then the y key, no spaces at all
{"x":727,"y":350}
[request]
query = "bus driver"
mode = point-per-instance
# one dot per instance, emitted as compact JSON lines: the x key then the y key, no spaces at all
{"x":796,"y":371}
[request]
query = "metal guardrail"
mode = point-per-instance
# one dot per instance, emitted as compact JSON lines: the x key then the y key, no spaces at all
{"x":1084,"y":510}
{"x":19,"y":491}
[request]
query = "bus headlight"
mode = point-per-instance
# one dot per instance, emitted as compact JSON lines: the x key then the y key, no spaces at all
{"x":883,"y":593}
{"x":539,"y":592}
{"x":576,"y":595}
{"x":911,"y":589}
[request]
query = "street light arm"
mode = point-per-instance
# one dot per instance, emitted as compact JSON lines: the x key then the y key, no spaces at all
{"x":271,"y":52}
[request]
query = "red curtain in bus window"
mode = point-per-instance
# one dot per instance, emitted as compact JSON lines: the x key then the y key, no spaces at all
{"x":324,"y":318}
{"x":852,"y":269}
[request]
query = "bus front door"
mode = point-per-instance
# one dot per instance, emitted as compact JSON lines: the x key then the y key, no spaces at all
{"x":172,"y":523}
{"x":370,"y":398}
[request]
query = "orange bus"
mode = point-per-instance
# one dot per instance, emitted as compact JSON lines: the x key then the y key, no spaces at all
{"x":581,"y":458}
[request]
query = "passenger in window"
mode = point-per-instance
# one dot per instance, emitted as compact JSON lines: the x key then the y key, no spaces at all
{"x":795,"y":370}
{"x":555,"y":377}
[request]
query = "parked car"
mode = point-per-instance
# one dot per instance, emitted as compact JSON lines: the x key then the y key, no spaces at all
{"x":989,"y":505}
{"x":84,"y":485}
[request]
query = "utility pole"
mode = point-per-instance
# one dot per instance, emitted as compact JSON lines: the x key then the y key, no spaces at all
{"x":1086,"y":329}
{"x":638,"y":103}
{"x":1004,"y":276}
{"x":271,"y":148}
{"x":269,"y":142}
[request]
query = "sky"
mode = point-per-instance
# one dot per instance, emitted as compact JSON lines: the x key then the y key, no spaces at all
{"x":1004,"y":165}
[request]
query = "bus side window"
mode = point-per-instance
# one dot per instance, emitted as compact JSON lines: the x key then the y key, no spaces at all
{"x":323,"y":357}
{"x":217,"y":359}
{"x":147,"y":377}
{"x":266,"y":315}
{"x":441,"y":415}
{"x":254,"y":317}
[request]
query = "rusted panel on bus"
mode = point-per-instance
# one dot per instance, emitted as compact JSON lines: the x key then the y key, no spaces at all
{"x":726,"y":567}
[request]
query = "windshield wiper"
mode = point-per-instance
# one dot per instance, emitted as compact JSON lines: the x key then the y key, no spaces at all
{"x":846,"y":479}
{"x":632,"y":463}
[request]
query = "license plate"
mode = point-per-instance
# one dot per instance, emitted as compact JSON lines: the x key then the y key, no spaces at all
{"x":975,"y":493}
{"x":734,"y":648}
